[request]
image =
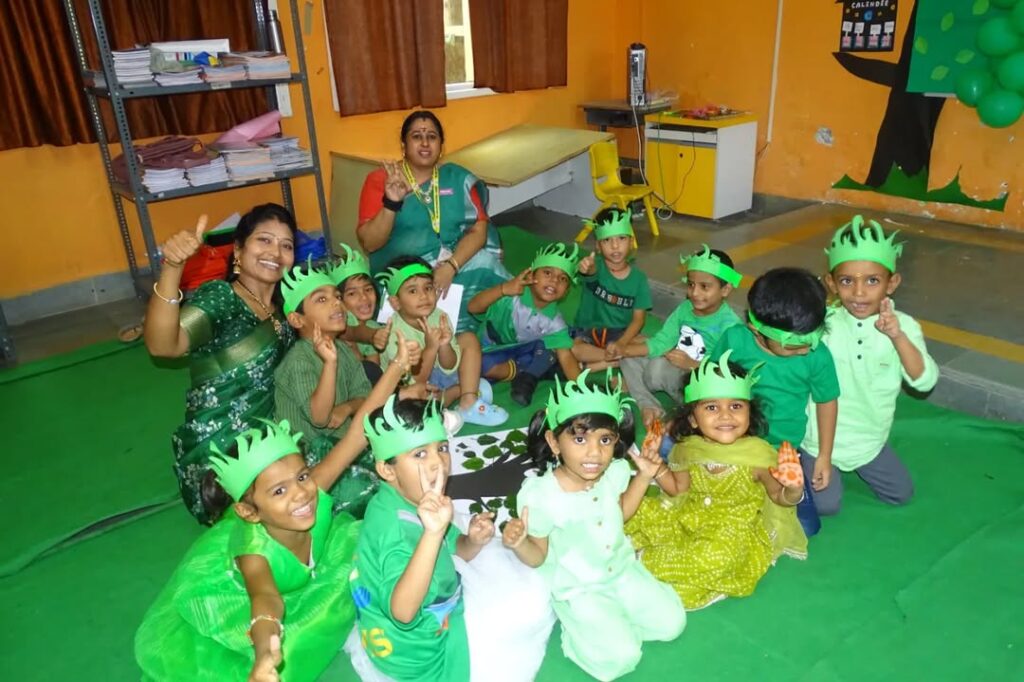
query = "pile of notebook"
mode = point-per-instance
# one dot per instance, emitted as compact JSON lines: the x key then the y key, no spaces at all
{"x":208,"y":173}
{"x":245,"y":160}
{"x":224,"y":74}
{"x":183,"y":77}
{"x":132,"y":66}
{"x":162,"y":179}
{"x":286,"y":153}
{"x":259,"y":65}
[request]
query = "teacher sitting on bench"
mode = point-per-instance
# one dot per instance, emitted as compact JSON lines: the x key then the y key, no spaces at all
{"x":421,"y":207}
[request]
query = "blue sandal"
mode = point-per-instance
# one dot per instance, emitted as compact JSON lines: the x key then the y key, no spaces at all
{"x":484,"y":414}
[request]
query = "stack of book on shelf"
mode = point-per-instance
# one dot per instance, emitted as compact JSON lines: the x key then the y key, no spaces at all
{"x":224,"y":74}
{"x":132,"y":66}
{"x":159,"y":180}
{"x":182,"y":62}
{"x":286,"y":153}
{"x":245,"y":160}
{"x":208,"y":173}
{"x":185,"y":77}
{"x":260,"y":65}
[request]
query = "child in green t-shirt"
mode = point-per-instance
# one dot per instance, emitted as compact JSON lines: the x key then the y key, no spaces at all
{"x":616,"y":295}
{"x":320,"y":383}
{"x":662,"y":362}
{"x":365,"y":336}
{"x":524,"y":337}
{"x":786,"y":319}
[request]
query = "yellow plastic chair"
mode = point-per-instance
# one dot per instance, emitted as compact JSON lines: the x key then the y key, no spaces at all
{"x":609,"y":188}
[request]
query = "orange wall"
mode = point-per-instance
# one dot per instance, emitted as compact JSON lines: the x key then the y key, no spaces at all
{"x":60,"y":209}
{"x":722,"y":53}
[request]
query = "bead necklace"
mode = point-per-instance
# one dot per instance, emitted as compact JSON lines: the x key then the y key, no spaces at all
{"x":435,"y":198}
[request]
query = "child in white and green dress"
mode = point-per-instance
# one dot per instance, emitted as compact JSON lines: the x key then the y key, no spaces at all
{"x":570,"y":529}
{"x":726,"y":513}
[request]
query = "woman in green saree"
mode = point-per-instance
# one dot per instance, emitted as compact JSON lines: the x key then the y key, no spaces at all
{"x":438,"y":211}
{"x":233,"y":333}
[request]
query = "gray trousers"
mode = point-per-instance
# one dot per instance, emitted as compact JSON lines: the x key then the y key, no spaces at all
{"x":644,"y":376}
{"x":886,"y":475}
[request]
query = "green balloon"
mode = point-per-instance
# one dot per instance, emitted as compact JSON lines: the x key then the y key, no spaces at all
{"x":972,"y":84}
{"x":1000,"y":108}
{"x":1017,"y":17}
{"x":1003,"y":4}
{"x":996,"y":37}
{"x":1011,"y":72}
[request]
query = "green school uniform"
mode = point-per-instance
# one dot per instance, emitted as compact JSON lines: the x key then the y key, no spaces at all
{"x":608,"y":302}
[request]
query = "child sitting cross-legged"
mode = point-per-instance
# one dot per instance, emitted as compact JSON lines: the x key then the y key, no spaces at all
{"x":616,"y":295}
{"x":876,"y":349}
{"x":264,"y":594}
{"x":524,"y":337}
{"x":726,"y":513}
{"x":662,"y":362}
{"x":449,"y":362}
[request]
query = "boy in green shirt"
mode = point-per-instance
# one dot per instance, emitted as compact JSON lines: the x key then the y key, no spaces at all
{"x":616,"y":295}
{"x":786,"y":319}
{"x":523,"y":334}
{"x":877,"y":349}
{"x":366,"y":336}
{"x":320,"y":384}
{"x":407,"y":593}
{"x":662,"y":362}
{"x":450,"y":363}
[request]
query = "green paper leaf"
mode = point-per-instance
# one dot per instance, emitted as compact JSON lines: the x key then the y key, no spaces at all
{"x":476,"y":508}
{"x":473,"y":464}
{"x":980,"y":7}
{"x":921,"y":45}
{"x":940,"y":72}
{"x":495,"y":504}
{"x":947,"y":21}
{"x":486,"y":439}
{"x":510,"y":504}
{"x":491,"y":452}
{"x":964,"y":56}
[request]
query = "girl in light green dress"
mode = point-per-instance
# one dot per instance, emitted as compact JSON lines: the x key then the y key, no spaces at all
{"x":723,"y":517}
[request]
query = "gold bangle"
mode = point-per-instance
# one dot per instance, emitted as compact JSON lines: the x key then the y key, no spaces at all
{"x":172,"y":301}
{"x":661,"y":472}
{"x":263,"y":616}
{"x":455,"y":263}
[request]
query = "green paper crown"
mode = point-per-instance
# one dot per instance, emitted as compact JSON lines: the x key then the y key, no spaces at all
{"x":557,"y":255}
{"x":715,"y":380}
{"x":708,"y":262}
{"x":613,"y":227}
{"x":577,"y":397}
{"x":787,"y":338}
{"x":859,"y":241}
{"x":297,"y":285}
{"x":352,"y":264}
{"x":393,"y":278}
{"x":390,"y":435}
{"x":256,"y":451}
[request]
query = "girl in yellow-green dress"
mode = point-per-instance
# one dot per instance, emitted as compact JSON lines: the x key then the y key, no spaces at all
{"x":725,"y":512}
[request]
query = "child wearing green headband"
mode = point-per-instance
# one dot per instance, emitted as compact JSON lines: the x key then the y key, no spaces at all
{"x":525,"y":339}
{"x":570,"y":527}
{"x":786,"y":318}
{"x":877,"y":349}
{"x":267,"y":586}
{"x":320,"y":383}
{"x":367,"y":337}
{"x":662,"y":362}
{"x":724,"y":516}
{"x":616,"y":295}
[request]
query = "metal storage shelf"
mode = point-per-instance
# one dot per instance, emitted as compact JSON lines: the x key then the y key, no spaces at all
{"x":96,"y":83}
{"x":150,"y":197}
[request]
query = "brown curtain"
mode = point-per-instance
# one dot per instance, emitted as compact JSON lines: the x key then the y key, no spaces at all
{"x":41,"y":98}
{"x":387,"y":54}
{"x":519,"y":44}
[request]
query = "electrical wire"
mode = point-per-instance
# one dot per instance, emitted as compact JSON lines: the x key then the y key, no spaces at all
{"x":665,"y":211}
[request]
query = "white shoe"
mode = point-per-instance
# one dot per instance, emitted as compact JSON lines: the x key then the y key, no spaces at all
{"x":453,"y":422}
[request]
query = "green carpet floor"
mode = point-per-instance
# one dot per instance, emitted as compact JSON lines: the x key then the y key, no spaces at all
{"x":930,"y":591}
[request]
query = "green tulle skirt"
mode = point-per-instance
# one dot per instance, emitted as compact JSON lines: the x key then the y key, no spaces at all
{"x":197,"y":628}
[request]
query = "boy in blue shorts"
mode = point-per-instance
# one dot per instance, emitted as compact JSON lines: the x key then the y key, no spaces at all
{"x":876,"y":349}
{"x":616,"y":295}
{"x":786,"y":320}
{"x":523,"y":333}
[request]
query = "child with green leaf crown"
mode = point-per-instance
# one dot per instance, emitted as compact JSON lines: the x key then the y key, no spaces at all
{"x":570,"y":527}
{"x":726,"y":513}
{"x":876,"y":349}
{"x":263,"y":595}
{"x":412,"y":603}
{"x":616,"y":294}
{"x":367,"y":337}
{"x":524,"y":336}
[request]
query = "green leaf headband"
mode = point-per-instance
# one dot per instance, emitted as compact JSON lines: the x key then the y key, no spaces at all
{"x":787,"y":338}
{"x":390,"y":435}
{"x":710,"y":263}
{"x":352,"y":264}
{"x":613,"y":227}
{"x":297,"y":285}
{"x":256,"y":451}
{"x":577,"y":397}
{"x":715,"y":380}
{"x":558,"y":256}
{"x":393,"y":278}
{"x":857,"y":241}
